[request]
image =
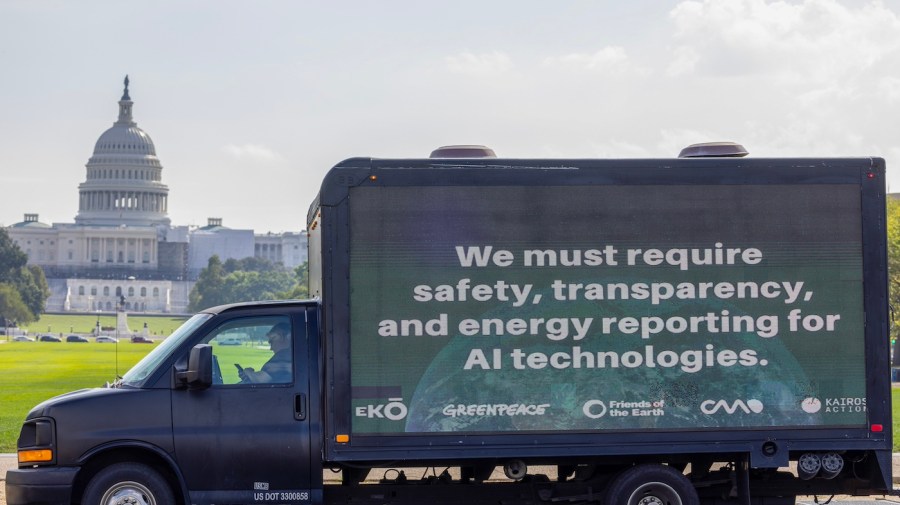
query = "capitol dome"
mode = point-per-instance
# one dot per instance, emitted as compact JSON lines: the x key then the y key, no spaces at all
{"x":124,"y":139}
{"x":124,"y":177}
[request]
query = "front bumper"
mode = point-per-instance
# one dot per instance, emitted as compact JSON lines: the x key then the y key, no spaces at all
{"x":40,"y":486}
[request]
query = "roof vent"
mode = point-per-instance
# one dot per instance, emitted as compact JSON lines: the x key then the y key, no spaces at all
{"x":714,"y":150}
{"x":469,"y":151}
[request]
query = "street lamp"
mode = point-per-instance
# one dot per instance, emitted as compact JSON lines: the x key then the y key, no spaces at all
{"x":120,"y":306}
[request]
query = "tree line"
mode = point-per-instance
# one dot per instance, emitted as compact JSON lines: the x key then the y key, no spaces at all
{"x":248,"y":279}
{"x":23,"y":288}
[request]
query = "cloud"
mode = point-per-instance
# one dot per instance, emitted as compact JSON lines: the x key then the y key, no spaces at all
{"x":816,"y":41}
{"x":479,"y":64}
{"x":684,"y":61}
{"x":892,"y":154}
{"x":252,"y":152}
{"x":889,"y":88}
{"x":607,"y":60}
{"x":619,"y":148}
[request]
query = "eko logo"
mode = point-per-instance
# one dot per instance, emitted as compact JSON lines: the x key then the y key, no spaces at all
{"x":713,"y":406}
{"x":395,"y":410}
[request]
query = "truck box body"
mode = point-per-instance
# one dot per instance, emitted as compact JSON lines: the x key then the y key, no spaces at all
{"x":596,"y":307}
{"x":615,"y":332}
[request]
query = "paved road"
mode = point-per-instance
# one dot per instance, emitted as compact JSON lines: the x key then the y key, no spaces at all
{"x":8,"y":461}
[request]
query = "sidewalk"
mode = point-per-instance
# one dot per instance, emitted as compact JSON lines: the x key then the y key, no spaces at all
{"x":7,"y":461}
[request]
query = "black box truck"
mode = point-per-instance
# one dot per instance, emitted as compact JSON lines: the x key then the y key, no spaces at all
{"x":643,"y":331}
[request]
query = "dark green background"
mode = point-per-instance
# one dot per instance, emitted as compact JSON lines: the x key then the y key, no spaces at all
{"x":406,"y":236}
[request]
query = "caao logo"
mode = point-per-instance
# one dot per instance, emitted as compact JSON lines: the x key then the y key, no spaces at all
{"x":714,"y":406}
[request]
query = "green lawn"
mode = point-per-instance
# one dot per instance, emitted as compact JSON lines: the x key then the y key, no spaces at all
{"x":895,"y":417}
{"x":31,"y":372}
{"x":246,"y":356}
{"x":85,"y":324}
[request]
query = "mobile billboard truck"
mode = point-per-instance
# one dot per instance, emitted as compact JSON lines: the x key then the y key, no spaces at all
{"x":677,"y":331}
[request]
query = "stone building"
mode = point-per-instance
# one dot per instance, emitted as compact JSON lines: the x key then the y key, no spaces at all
{"x":122,"y":242}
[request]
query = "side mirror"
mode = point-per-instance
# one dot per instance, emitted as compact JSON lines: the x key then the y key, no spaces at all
{"x":199,"y":371}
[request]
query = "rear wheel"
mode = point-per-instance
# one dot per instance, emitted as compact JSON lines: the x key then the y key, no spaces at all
{"x":128,"y":484}
{"x":651,"y":485}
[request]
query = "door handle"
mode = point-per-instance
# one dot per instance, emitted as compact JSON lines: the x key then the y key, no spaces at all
{"x":300,"y":407}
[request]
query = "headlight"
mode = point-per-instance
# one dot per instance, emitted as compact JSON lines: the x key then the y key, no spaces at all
{"x":36,"y":442}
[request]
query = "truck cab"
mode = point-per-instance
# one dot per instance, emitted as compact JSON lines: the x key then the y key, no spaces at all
{"x":186,"y":425}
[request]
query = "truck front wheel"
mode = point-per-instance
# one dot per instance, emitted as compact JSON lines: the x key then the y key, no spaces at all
{"x":651,"y":485}
{"x":128,"y":483}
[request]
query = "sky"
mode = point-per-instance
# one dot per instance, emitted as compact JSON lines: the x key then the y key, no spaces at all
{"x":250,"y":104}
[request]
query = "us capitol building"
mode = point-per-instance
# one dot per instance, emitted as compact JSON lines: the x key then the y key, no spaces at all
{"x":122,"y":242}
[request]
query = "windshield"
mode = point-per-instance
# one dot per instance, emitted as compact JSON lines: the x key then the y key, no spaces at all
{"x":146,"y":366}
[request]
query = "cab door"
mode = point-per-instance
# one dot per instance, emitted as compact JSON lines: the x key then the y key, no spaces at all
{"x":243,"y":441}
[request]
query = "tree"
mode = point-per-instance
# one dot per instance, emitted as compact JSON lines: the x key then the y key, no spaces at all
{"x":249,"y":285}
{"x":33,"y":288}
{"x":301,"y":287}
{"x":893,"y":249}
{"x":12,"y":308}
{"x":248,"y":279}
{"x":207,"y":292}
{"x":11,"y":256}
{"x":28,"y":281}
{"x":252,"y":264}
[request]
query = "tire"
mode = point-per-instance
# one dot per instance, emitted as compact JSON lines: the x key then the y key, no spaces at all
{"x":128,"y":483}
{"x":651,"y":485}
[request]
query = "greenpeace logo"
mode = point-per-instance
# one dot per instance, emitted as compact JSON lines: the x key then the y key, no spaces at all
{"x":710,"y":407}
{"x":496,"y":409}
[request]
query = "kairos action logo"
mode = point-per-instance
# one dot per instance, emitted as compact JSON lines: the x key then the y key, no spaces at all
{"x":812,"y":405}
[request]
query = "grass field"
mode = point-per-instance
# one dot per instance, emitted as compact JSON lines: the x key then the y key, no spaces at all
{"x":85,"y":324}
{"x":31,"y":372}
{"x":895,"y":417}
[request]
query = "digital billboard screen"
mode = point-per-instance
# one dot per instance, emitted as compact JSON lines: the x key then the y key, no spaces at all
{"x":605,"y":307}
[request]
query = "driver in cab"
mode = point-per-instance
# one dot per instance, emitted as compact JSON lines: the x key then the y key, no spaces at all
{"x":278,"y":368}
